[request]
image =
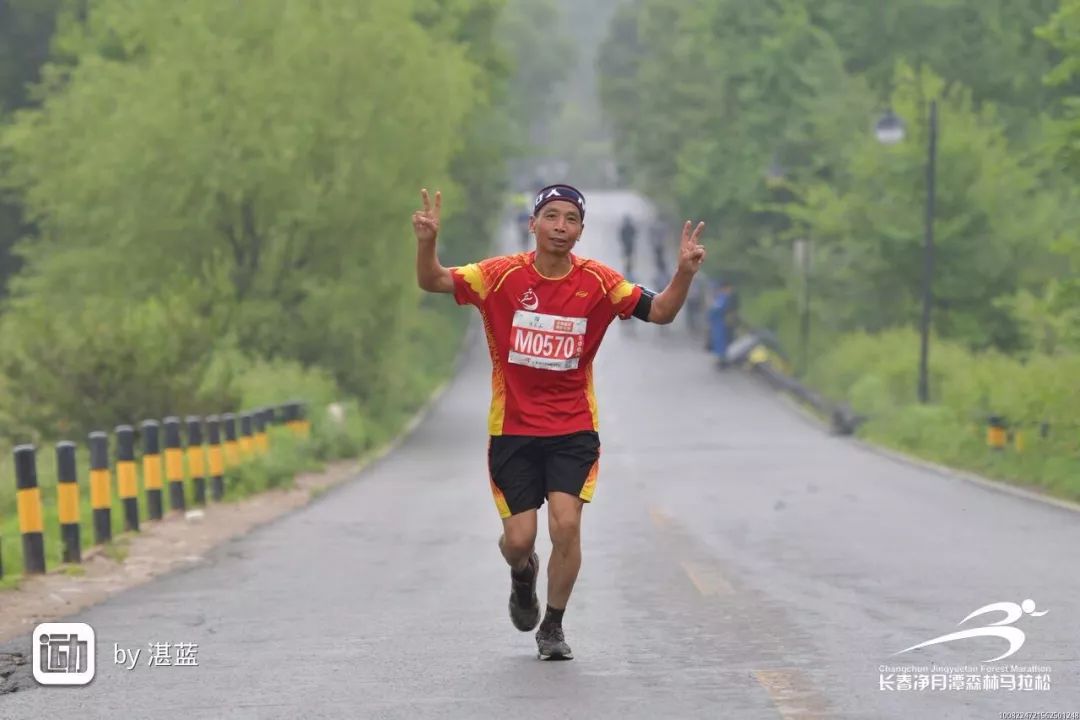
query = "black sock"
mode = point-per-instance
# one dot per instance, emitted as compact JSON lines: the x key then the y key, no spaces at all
{"x":553,"y":617}
{"x":523,"y":575}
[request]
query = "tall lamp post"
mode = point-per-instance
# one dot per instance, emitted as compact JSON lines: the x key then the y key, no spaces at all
{"x":804,"y":261}
{"x":802,"y":250}
{"x":889,"y":131}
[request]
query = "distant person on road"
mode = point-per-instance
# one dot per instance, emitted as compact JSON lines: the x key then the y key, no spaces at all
{"x":695,"y":308}
{"x":723,"y":321}
{"x":524,"y":234}
{"x":658,"y":236}
{"x":546,"y":312}
{"x":522,"y":201}
{"x":627,"y":237}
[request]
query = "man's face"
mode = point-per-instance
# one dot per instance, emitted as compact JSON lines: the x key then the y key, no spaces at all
{"x":557,"y":227}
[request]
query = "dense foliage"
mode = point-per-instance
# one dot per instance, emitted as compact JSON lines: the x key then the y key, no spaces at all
{"x":199,"y":189}
{"x":760,"y":117}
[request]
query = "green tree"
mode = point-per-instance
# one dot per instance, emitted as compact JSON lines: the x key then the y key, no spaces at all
{"x":541,"y":55}
{"x":267,"y":154}
{"x":25,"y":29}
{"x":988,"y":46}
{"x":993,"y":218}
{"x":705,"y":99}
{"x":1063,"y":33}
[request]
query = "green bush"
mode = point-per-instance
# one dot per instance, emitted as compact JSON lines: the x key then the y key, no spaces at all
{"x":102,"y":363}
{"x":332,"y":440}
{"x":877,"y":375}
{"x":241,"y":383}
{"x":277,"y":469}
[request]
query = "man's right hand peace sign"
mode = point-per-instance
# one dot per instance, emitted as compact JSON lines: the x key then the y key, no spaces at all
{"x":426,"y":222}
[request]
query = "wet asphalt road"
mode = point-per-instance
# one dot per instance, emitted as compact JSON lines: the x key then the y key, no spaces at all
{"x":738,"y":562}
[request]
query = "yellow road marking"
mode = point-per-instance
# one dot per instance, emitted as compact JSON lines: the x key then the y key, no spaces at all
{"x":792,"y":693}
{"x":659,"y":518}
{"x":708,"y":580}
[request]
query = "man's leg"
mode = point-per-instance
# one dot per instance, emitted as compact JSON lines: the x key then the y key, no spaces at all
{"x":564,"y":526}
{"x":518,"y":539}
{"x":517,"y":483}
{"x":517,"y":547}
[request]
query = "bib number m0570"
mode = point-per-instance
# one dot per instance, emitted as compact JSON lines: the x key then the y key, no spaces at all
{"x":547,"y":342}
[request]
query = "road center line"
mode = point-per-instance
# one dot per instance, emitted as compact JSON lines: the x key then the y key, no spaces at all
{"x":792,"y":693}
{"x":708,"y":580}
{"x":659,"y":518}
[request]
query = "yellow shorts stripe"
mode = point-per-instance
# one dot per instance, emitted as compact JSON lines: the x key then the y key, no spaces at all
{"x":590,"y":482}
{"x":500,"y":501}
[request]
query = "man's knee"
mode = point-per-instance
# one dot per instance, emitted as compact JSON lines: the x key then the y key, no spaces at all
{"x":519,"y":535}
{"x":518,"y":545}
{"x":564,"y":519}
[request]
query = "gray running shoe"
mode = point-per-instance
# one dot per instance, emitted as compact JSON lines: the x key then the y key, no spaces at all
{"x":551,"y":645}
{"x":524,"y":605}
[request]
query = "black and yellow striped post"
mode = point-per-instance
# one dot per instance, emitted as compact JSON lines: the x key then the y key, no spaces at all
{"x":126,"y":477}
{"x":216,"y":455}
{"x":260,"y":436}
{"x":232,"y":446}
{"x":174,"y":463}
{"x":247,"y":438}
{"x":288,"y":417}
{"x":268,"y":421}
{"x":196,"y":457}
{"x":100,"y":487}
{"x":151,"y":467}
{"x":297,"y":421}
{"x":996,"y":433}
{"x":28,"y":502}
{"x":67,"y":502}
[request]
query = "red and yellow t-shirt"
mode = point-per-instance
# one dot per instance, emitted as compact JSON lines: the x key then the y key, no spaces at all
{"x":543,"y":334}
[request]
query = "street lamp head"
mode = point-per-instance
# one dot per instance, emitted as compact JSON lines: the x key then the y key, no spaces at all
{"x":889,"y":129}
{"x":775,"y":172}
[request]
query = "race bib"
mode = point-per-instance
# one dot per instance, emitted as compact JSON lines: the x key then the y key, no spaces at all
{"x":547,"y":342}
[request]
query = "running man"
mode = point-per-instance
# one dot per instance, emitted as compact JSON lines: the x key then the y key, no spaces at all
{"x":627,"y":236}
{"x":545,"y":313}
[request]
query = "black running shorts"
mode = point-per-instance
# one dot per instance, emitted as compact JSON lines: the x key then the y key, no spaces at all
{"x":523,"y":469}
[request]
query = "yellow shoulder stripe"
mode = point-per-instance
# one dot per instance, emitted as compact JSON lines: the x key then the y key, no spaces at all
{"x":620,"y":292}
{"x":472,"y":274}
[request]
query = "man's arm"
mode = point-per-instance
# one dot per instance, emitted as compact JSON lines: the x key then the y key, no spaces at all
{"x":666,"y":305}
{"x":430,"y":274}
